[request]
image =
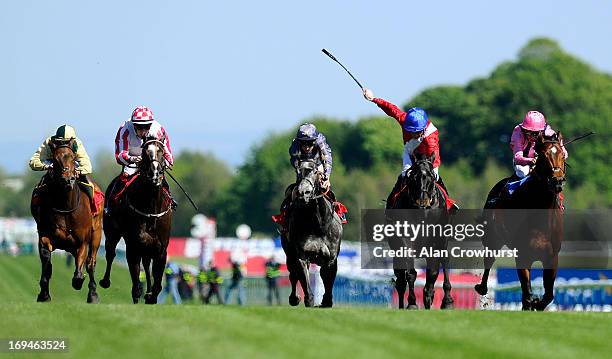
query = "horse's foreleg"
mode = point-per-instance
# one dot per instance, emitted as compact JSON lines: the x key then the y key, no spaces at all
{"x":305,"y":283}
{"x":133,"y":260}
{"x":159,"y":264}
{"x":525,"y":278}
{"x":412,"y":276}
{"x":400,"y":286}
{"x":81,"y":257}
{"x":549,"y":277}
{"x":433,"y":267}
{"x":146,"y":263}
{"x":293,"y":268}
{"x":328,"y":275}
{"x":447,"y":301}
{"x":110,"y":246}
{"x":46,"y":269}
{"x":92,"y":296}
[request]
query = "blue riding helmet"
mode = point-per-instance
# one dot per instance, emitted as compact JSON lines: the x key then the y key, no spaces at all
{"x":416,"y":120}
{"x":307,"y":132}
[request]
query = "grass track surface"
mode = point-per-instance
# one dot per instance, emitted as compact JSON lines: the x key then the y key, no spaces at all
{"x":118,"y":329}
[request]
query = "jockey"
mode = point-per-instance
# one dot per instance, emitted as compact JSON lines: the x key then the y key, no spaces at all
{"x":420,"y":136}
{"x":42,"y":159}
{"x":308,"y":144}
{"x":128,"y":143}
{"x":522,"y":142}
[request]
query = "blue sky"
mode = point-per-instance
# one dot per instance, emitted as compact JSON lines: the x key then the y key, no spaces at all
{"x":221,"y":75}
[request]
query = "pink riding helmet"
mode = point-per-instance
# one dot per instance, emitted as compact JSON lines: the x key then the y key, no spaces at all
{"x":534,"y":121}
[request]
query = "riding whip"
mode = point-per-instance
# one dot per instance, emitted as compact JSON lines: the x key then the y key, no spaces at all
{"x":185,"y":192}
{"x":345,"y":69}
{"x":579,"y":138}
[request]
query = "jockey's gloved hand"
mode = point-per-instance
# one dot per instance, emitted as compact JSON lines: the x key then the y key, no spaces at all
{"x":368,"y":94}
{"x":135,"y":159}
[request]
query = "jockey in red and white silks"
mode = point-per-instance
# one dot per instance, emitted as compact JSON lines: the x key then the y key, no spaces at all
{"x":130,"y":136}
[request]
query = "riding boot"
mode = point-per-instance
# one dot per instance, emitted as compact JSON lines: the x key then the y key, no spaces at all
{"x":166,"y":186}
{"x":396,"y":188}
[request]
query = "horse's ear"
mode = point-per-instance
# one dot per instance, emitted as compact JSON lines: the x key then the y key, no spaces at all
{"x":559,"y":137}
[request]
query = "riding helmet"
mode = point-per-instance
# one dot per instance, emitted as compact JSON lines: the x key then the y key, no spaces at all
{"x":307,"y":132}
{"x":416,"y":120}
{"x":142,"y":116}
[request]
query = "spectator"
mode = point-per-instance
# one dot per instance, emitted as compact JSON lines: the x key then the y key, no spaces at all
{"x":237,"y":277}
{"x":272,"y":274}
{"x":172,"y":271}
{"x":214,"y":281}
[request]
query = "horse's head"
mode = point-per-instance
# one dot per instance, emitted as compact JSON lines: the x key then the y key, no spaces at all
{"x":153,"y":162}
{"x":308,"y":180}
{"x":64,"y":166}
{"x":550,"y":163}
{"x":421,"y":181}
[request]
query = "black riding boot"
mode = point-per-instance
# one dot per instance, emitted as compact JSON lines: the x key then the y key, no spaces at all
{"x":396,"y":188}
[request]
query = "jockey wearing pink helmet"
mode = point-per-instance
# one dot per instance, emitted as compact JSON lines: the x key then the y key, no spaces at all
{"x":523,"y":139}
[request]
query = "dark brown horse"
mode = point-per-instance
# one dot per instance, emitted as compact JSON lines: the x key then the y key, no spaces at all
{"x":63,"y":214}
{"x":420,"y":193}
{"x":531,"y":220}
{"x":143,"y":218}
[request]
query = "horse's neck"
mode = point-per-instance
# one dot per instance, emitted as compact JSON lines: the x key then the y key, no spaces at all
{"x":147,"y":195}
{"x":64,"y":199}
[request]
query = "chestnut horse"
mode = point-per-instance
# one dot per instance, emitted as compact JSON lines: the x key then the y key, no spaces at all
{"x":64,"y":219}
{"x":143,"y":218}
{"x":531,"y":220}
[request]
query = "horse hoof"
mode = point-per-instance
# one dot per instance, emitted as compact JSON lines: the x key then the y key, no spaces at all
{"x":541,"y":304}
{"x":77,"y":283}
{"x":150,"y":298}
{"x":412,"y":307}
{"x":43,"y":297}
{"x":481,"y":289}
{"x":135,"y":300}
{"x":294,"y":301}
{"x":326,"y":304}
{"x":105,"y":283}
{"x":308,"y":302}
{"x":447,"y":305}
{"x":93,"y":298}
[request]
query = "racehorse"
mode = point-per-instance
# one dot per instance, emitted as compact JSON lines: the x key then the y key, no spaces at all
{"x":143,"y":218}
{"x":419,"y":191}
{"x":314,"y":236}
{"x":536,"y":234}
{"x":64,"y":218}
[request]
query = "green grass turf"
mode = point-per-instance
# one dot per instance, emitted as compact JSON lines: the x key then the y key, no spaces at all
{"x":117,"y":329}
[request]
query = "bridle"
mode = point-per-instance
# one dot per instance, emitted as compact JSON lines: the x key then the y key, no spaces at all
{"x":422,"y":202}
{"x":151,"y":161}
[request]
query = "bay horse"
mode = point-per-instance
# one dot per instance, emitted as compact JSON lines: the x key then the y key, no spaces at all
{"x":143,"y":219}
{"x":531,"y":220}
{"x":419,"y":191}
{"x":314,"y":236}
{"x":64,"y":219}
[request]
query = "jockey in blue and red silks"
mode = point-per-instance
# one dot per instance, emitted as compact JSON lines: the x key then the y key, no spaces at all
{"x":128,"y":146}
{"x":419,"y":135}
